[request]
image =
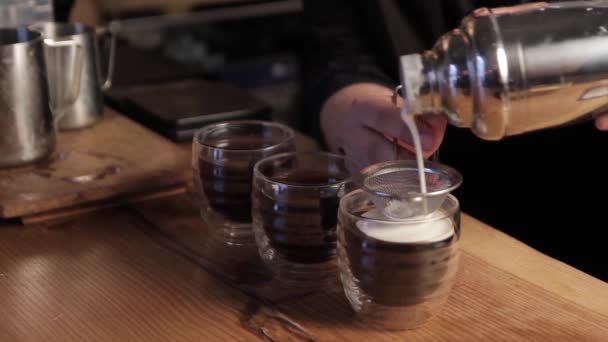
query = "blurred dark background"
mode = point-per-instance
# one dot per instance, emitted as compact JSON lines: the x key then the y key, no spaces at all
{"x":253,"y":45}
{"x":256,"y":46}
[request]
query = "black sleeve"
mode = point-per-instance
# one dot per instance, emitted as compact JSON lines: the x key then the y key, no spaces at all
{"x":339,"y":52}
{"x":62,"y":9}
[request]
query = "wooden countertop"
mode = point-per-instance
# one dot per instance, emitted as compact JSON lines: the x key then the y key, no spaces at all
{"x":148,"y":272}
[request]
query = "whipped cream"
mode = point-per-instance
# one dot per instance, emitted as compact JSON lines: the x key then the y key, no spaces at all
{"x":431,"y":228}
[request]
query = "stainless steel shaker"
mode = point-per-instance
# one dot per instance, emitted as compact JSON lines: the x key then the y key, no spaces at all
{"x":28,"y":107}
{"x":511,"y":70}
{"x":88,"y":107}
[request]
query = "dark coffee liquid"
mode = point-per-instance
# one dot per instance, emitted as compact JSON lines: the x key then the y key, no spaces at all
{"x":228,"y":189}
{"x":227,"y":183}
{"x":302,"y":226}
{"x":244,"y":143}
{"x":398,"y":274}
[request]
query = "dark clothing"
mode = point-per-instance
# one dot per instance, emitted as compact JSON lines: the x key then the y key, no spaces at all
{"x":62,"y":9}
{"x":546,"y":188}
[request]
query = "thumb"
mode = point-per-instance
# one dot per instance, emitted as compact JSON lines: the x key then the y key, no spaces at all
{"x":601,"y":122}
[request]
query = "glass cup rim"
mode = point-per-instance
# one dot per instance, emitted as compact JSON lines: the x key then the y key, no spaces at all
{"x":444,"y":214}
{"x":258,"y":174}
{"x":290,"y":134}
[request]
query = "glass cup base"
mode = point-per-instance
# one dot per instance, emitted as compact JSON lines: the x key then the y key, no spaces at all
{"x":291,"y":274}
{"x":382,"y":317}
{"x":305,"y":276}
{"x":386,"y":317}
{"x":228,"y":232}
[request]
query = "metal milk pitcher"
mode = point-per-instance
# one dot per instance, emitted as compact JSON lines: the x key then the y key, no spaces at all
{"x":15,"y":13}
{"x":88,"y":107}
{"x":28,"y":105}
{"x":511,"y":70}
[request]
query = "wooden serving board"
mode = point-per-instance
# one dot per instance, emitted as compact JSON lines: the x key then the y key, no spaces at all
{"x":113,"y":159}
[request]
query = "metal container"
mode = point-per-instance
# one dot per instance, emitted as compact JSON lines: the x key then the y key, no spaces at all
{"x":28,"y":105}
{"x":511,"y":70}
{"x":15,"y":13}
{"x":88,"y":107}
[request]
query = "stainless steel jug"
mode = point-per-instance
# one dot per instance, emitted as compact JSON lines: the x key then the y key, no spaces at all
{"x":28,"y":106}
{"x":511,"y":70}
{"x":88,"y":107}
{"x":15,"y":13}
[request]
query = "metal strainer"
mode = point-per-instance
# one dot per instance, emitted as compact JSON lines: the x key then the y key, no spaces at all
{"x":394,"y":186}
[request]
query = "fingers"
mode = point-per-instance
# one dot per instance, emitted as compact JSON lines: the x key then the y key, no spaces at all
{"x":369,"y":147}
{"x":434,"y":127}
{"x":601,"y":122}
{"x":376,"y":149}
{"x":385,"y":117}
{"x":382,"y":116}
{"x":362,"y":121}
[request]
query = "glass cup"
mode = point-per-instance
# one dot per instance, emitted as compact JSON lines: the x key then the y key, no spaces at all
{"x":295,"y":207}
{"x":224,"y":155}
{"x":396,"y":273}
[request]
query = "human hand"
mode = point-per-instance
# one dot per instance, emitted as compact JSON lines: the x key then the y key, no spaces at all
{"x":601,"y":122}
{"x":361,"y":121}
{"x":87,"y":11}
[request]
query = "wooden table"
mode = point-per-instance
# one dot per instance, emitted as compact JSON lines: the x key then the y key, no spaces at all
{"x":148,"y":272}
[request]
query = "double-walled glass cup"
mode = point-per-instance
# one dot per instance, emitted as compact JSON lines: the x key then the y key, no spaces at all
{"x":396,"y":273}
{"x":295,"y":206}
{"x":224,"y":155}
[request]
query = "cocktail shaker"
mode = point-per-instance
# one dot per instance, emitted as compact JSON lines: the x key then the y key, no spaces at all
{"x":512,"y":70}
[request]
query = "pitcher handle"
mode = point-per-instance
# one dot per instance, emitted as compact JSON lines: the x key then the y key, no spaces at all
{"x":60,"y":106}
{"x":109,"y":78}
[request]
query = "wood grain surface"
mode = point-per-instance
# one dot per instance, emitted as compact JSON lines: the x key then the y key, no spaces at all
{"x":118,"y":201}
{"x":150,"y":272}
{"x":486,"y":304}
{"x":116,"y":157}
{"x":505,"y":290}
{"x":101,"y":278}
{"x":146,"y":273}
